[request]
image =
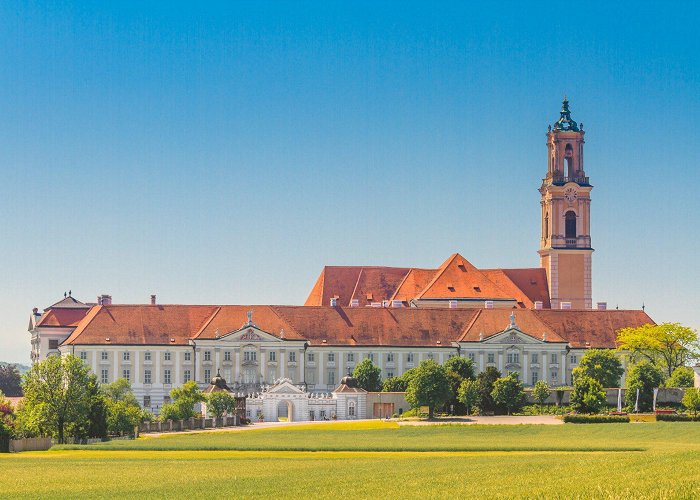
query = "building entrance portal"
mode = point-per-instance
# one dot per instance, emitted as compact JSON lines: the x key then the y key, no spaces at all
{"x":285,"y":411}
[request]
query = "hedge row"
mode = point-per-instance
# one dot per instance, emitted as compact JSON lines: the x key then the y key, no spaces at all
{"x":674,"y":417}
{"x":596,"y":419}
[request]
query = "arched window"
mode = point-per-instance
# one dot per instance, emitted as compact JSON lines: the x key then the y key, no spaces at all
{"x":351,"y":409}
{"x":570,"y":225}
{"x":568,"y":161}
{"x":546,"y":226}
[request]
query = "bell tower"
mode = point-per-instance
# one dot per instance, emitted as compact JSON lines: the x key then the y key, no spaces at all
{"x":565,"y":245}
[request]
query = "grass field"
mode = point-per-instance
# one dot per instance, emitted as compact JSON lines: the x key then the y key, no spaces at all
{"x":372,"y":460}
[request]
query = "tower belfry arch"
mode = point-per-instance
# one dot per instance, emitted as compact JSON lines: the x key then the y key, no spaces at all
{"x":565,"y":244}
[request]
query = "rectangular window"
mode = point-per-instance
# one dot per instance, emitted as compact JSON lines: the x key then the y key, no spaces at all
{"x":534,"y":357}
{"x":227,"y":355}
{"x":83,"y":355}
{"x":351,"y":357}
{"x":513,"y":357}
{"x":250,"y":356}
{"x":292,"y":357}
{"x":409,"y":357}
{"x":207,"y":355}
{"x":310,"y":357}
{"x":126,"y":356}
{"x":207,"y":375}
{"x":166,"y":376}
{"x":166,"y":400}
{"x":574,"y":359}
{"x":147,"y":376}
{"x":322,"y":415}
{"x":187,"y":376}
{"x":430,"y":355}
{"x":553,"y":359}
{"x":351,"y":410}
{"x":105,"y":356}
{"x":105,"y":376}
{"x":166,"y":356}
{"x":147,"y":356}
{"x":147,"y":401}
{"x":535,"y":377}
{"x":471,"y":356}
{"x":390,"y":357}
{"x":331,"y":357}
{"x":554,"y":376}
{"x":272,"y":356}
{"x":126,"y":374}
{"x":389,"y":374}
{"x":53,"y":344}
{"x":491,"y":358}
{"x":371,"y":357}
{"x":331,"y":377}
{"x":188,"y":356}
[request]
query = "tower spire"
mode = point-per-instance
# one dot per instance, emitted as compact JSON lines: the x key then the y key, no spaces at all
{"x":565,"y":123}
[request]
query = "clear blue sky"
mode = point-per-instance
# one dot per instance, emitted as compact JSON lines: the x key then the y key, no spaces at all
{"x":225,"y":154}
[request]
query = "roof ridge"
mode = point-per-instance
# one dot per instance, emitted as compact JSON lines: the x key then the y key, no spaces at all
{"x":83,"y":324}
{"x":469,"y":326}
{"x":207,"y":322}
{"x":357,"y":283}
{"x":284,"y":319}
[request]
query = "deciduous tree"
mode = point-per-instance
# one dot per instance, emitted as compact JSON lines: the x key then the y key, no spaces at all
{"x":668,"y":345}
{"x":588,"y":395}
{"x":541,"y":393}
{"x":468,"y":394}
{"x":368,"y":376}
{"x":486,"y":380}
{"x":10,"y":381}
{"x":123,"y":410}
{"x":428,"y":387}
{"x":644,"y":376}
{"x":508,"y":392}
{"x":683,"y":376}
{"x":220,"y":403}
{"x":601,"y":365}
{"x":184,"y":398}
{"x":56,"y":396}
{"x":691,"y":400}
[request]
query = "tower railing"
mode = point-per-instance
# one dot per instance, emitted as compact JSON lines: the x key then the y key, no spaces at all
{"x":562,"y":179}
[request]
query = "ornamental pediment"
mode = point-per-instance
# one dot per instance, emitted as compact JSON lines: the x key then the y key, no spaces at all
{"x":511,"y":336}
{"x":248,"y":334}
{"x":284,"y":387}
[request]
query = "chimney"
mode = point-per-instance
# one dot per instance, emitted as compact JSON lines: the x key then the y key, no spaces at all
{"x":488,"y":304}
{"x":538,"y":305}
{"x":602,"y":306}
{"x":453,"y":304}
{"x":105,"y":300}
{"x":334,"y":302}
{"x":153,"y":300}
{"x":566,"y":305}
{"x":355,"y":303}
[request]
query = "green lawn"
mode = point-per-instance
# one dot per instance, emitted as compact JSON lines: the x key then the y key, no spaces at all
{"x":655,"y":460}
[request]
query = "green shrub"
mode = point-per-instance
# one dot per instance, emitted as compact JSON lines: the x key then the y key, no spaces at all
{"x":596,"y":419}
{"x":588,"y":395}
{"x":676,"y":417}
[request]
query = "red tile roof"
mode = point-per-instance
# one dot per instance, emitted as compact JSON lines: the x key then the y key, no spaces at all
{"x":140,"y":324}
{"x":335,"y":326}
{"x":62,"y":317}
{"x":595,"y":329}
{"x":456,"y":278}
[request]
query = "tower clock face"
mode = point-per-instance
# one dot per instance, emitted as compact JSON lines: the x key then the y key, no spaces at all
{"x":570,"y":194}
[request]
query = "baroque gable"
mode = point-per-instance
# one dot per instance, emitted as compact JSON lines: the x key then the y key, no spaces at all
{"x":249,"y":333}
{"x":512,"y":336}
